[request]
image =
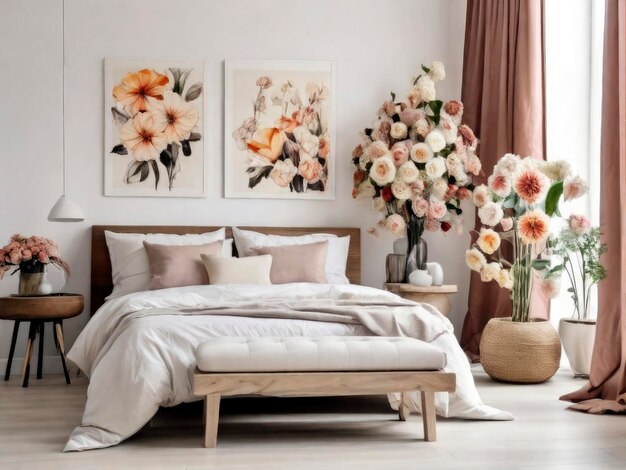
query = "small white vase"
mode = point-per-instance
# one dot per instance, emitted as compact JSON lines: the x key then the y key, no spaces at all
{"x":436,"y":271}
{"x":420,"y":277}
{"x":577,"y":337}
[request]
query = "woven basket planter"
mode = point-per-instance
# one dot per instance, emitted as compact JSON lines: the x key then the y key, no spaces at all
{"x":520,"y":352}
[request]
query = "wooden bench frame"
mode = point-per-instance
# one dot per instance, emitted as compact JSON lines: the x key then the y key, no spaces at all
{"x":213,"y":386}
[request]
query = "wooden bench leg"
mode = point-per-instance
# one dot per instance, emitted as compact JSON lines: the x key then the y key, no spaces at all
{"x":429,"y":416}
{"x":211,"y":419}
{"x":403,"y":410}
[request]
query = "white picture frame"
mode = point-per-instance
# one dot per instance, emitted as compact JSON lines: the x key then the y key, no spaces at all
{"x":241,"y":104}
{"x":185,"y":174}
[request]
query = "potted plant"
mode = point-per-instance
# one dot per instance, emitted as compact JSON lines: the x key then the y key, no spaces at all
{"x":578,"y":248}
{"x":415,"y":163}
{"x":520,"y":198}
{"x":31,"y":256}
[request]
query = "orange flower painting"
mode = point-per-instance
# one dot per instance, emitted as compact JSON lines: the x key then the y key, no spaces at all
{"x":153,"y":129}
{"x":279,"y":130}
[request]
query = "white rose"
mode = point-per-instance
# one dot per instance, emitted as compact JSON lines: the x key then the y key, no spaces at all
{"x":283,"y":172}
{"x":437,"y":71}
{"x":436,"y":140}
{"x":398,"y":130}
{"x":490,"y":214}
{"x":383,"y":171}
{"x":395,"y":224}
{"x":507,"y":165}
{"x":363,"y":161}
{"x":400,"y":190}
{"x":426,"y":88}
{"x":422,"y":127}
{"x":436,"y":167}
{"x":448,"y":129}
{"x":481,"y":195}
{"x":408,"y":172}
{"x":309,"y":143}
{"x":439,"y":188}
{"x":454,"y":164}
{"x":421,"y":152}
{"x":366,"y":190}
{"x":379,"y":204}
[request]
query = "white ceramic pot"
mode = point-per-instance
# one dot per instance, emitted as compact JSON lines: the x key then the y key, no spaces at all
{"x":577,"y":337}
{"x":420,"y":277}
{"x":436,"y":271}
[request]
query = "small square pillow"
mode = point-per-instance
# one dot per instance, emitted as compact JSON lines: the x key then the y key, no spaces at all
{"x":178,"y":266}
{"x":248,"y":270}
{"x":297,"y":263}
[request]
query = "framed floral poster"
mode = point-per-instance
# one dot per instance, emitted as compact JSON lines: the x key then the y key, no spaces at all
{"x":153,"y":133}
{"x":279,"y":129}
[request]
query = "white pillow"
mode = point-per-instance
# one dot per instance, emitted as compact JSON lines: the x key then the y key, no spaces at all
{"x":130,"y":268}
{"x":336,"y":259}
{"x":250,"y":270}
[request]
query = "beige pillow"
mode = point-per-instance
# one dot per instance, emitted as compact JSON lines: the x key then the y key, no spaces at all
{"x":248,"y":270}
{"x":177,"y":266}
{"x":297,"y":263}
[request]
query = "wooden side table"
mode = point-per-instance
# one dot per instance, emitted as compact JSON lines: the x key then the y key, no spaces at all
{"x":39,"y":310}
{"x":437,"y":296}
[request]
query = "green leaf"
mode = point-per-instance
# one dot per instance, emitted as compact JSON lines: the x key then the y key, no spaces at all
{"x":540,"y":264}
{"x":393,"y":96}
{"x":425,"y":69}
{"x":552,"y":199}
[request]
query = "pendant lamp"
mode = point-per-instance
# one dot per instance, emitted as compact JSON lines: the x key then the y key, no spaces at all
{"x":65,"y":210}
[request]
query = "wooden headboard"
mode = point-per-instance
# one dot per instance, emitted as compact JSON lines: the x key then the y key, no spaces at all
{"x":102,"y":284}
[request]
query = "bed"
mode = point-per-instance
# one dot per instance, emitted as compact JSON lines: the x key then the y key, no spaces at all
{"x":138,"y":349}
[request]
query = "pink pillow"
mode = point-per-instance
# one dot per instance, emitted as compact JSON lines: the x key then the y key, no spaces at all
{"x":297,"y":263}
{"x":177,"y":266}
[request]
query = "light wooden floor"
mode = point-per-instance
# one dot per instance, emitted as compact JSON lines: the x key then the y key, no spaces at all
{"x":329,"y":433}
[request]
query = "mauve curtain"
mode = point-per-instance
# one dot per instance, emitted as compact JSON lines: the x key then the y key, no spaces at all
{"x":503,"y":94}
{"x":606,"y":389}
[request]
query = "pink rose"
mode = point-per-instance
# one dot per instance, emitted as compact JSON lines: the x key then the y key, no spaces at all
{"x":432,"y":225}
{"x":579,"y":224}
{"x":574,"y":188}
{"x":27,"y":255}
{"x":463,"y":194}
{"x":453,"y":107}
{"x":15,"y":257}
{"x":410,"y":116}
{"x":358,"y":151}
{"x":467,"y":133}
{"x":399,"y":154}
{"x":414,"y":98}
{"x":473,"y":165}
{"x":437,"y":210}
{"x":311,"y":170}
{"x":451,"y":192}
{"x":420,"y":207}
{"x":388,"y":108}
{"x":42,"y":257}
{"x":506,"y":223}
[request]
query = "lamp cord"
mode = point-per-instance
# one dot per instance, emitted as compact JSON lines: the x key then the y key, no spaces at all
{"x":63,"y":94}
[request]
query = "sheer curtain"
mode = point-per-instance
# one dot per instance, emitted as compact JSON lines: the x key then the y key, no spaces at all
{"x":574,"y":45}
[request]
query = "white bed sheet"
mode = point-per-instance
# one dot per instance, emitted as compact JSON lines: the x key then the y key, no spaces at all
{"x":139,"y":365}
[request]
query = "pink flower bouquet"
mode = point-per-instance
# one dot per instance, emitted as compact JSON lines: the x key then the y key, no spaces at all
{"x":30,"y":255}
{"x":520,"y":197}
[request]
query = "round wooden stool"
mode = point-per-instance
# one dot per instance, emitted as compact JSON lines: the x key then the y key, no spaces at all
{"x":39,"y":310}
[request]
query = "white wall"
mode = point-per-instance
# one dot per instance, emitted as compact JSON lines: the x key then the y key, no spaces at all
{"x":377,"y":46}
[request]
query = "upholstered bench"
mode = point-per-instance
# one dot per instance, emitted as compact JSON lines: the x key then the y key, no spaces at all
{"x":325,"y":366}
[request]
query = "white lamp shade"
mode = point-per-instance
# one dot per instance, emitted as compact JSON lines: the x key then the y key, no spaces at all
{"x":66,"y":210}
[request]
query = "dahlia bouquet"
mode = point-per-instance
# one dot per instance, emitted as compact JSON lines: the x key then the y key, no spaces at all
{"x":520,"y":198}
{"x":30,"y":255}
{"x":416,"y":161}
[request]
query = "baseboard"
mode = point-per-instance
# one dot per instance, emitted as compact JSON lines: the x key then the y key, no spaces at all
{"x":51,"y":365}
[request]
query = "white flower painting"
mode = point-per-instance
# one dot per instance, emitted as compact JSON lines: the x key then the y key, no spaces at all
{"x":279,"y":129}
{"x":154,"y":138}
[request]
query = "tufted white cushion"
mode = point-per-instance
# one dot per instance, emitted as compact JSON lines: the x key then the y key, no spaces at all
{"x":329,"y":353}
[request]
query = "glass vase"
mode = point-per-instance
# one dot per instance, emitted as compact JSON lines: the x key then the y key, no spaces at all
{"x":417,"y":250}
{"x":32,"y":279}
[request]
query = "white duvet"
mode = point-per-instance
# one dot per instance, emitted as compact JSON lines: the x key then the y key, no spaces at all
{"x":139,"y":351}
